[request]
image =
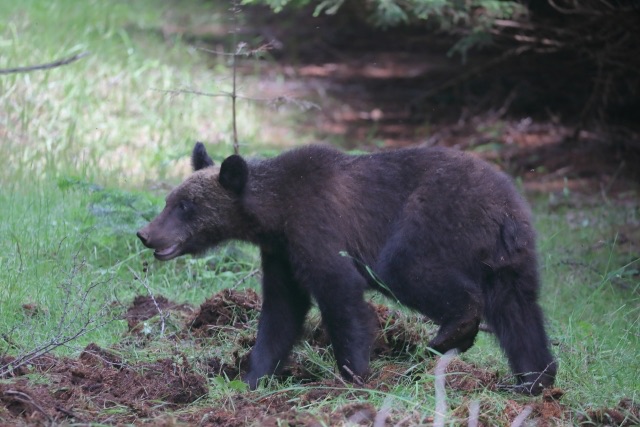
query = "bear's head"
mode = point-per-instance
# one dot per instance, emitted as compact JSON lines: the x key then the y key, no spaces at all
{"x":202,"y":211}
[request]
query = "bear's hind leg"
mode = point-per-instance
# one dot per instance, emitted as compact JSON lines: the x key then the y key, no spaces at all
{"x":434,"y":288}
{"x":458,"y":332}
{"x":450,"y":302}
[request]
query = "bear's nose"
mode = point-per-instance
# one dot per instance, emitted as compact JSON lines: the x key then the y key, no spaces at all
{"x":143,"y":236}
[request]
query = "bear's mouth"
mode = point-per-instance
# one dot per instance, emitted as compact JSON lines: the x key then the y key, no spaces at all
{"x":167,"y":253}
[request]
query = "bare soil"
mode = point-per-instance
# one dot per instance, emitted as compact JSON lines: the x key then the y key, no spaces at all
{"x":100,"y":387}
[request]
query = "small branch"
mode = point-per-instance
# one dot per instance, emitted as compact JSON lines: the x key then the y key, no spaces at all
{"x":153,"y":298}
{"x":474,"y":413}
{"x":192,"y":92}
{"x":402,"y":421}
{"x":46,"y":66}
{"x":69,"y":413}
{"x":274,"y":102}
{"x":76,"y":318}
{"x":383,"y":414}
{"x":235,"y":11}
{"x":519,"y":420}
{"x":246,"y":277}
{"x":234,"y":95}
{"x":441,"y":393}
{"x":356,"y":379}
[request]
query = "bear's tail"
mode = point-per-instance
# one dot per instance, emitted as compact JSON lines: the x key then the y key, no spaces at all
{"x":512,"y":310}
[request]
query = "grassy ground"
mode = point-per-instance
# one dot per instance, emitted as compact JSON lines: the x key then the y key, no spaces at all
{"x":90,"y":149}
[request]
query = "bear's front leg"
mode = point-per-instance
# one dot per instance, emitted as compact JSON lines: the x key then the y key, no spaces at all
{"x":284,"y":307}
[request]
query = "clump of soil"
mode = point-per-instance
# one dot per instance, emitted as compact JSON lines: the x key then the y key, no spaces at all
{"x":394,"y":338}
{"x":227,"y":308}
{"x":625,"y":414}
{"x":280,"y":409}
{"x":273,"y":410}
{"x":464,"y":376}
{"x":144,"y":308}
{"x":94,"y":355}
{"x":98,"y":385}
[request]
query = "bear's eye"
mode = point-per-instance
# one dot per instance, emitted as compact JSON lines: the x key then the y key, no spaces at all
{"x":186,"y":205}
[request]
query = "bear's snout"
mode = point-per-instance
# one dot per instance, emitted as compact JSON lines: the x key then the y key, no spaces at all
{"x":143,"y":236}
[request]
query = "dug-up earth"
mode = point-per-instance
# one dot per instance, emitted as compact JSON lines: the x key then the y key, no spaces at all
{"x":100,"y":387}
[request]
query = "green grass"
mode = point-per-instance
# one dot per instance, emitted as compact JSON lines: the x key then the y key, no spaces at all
{"x":90,"y":149}
{"x":105,"y":116}
{"x":75,"y":136}
{"x":592,"y":298}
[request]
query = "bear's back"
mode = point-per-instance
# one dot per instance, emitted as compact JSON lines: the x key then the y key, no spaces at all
{"x":320,"y":196}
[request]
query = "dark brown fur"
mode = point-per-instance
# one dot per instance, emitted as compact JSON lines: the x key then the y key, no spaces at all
{"x":445,"y":233}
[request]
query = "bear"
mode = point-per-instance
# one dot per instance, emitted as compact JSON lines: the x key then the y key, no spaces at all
{"x":437,"y":229}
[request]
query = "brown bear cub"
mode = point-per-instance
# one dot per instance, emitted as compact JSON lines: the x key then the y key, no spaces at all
{"x":444,"y":233}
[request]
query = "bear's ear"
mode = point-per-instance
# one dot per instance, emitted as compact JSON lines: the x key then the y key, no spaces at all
{"x":199,"y":158}
{"x":234,"y":173}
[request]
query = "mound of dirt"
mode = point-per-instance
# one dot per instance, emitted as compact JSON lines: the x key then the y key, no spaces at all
{"x":394,"y":338}
{"x":625,"y":414}
{"x":227,"y":308}
{"x":464,"y":376}
{"x":231,"y":309}
{"x":271,"y":410}
{"x":144,"y":308}
{"x":97,"y":386}
{"x":101,"y":387}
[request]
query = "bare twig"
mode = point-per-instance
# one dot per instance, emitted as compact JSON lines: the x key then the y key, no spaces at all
{"x":234,"y":95}
{"x":274,"y":102}
{"x":153,"y":298}
{"x":235,"y":11}
{"x":402,"y":421}
{"x":75,"y":321}
{"x":383,"y":414}
{"x":246,"y":277}
{"x":46,"y":66}
{"x":69,"y":413}
{"x":193,"y":92}
{"x":519,"y":420}
{"x":474,"y":413}
{"x":241,"y":49}
{"x":244,"y":52}
{"x":356,"y":379}
{"x":441,"y":393}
